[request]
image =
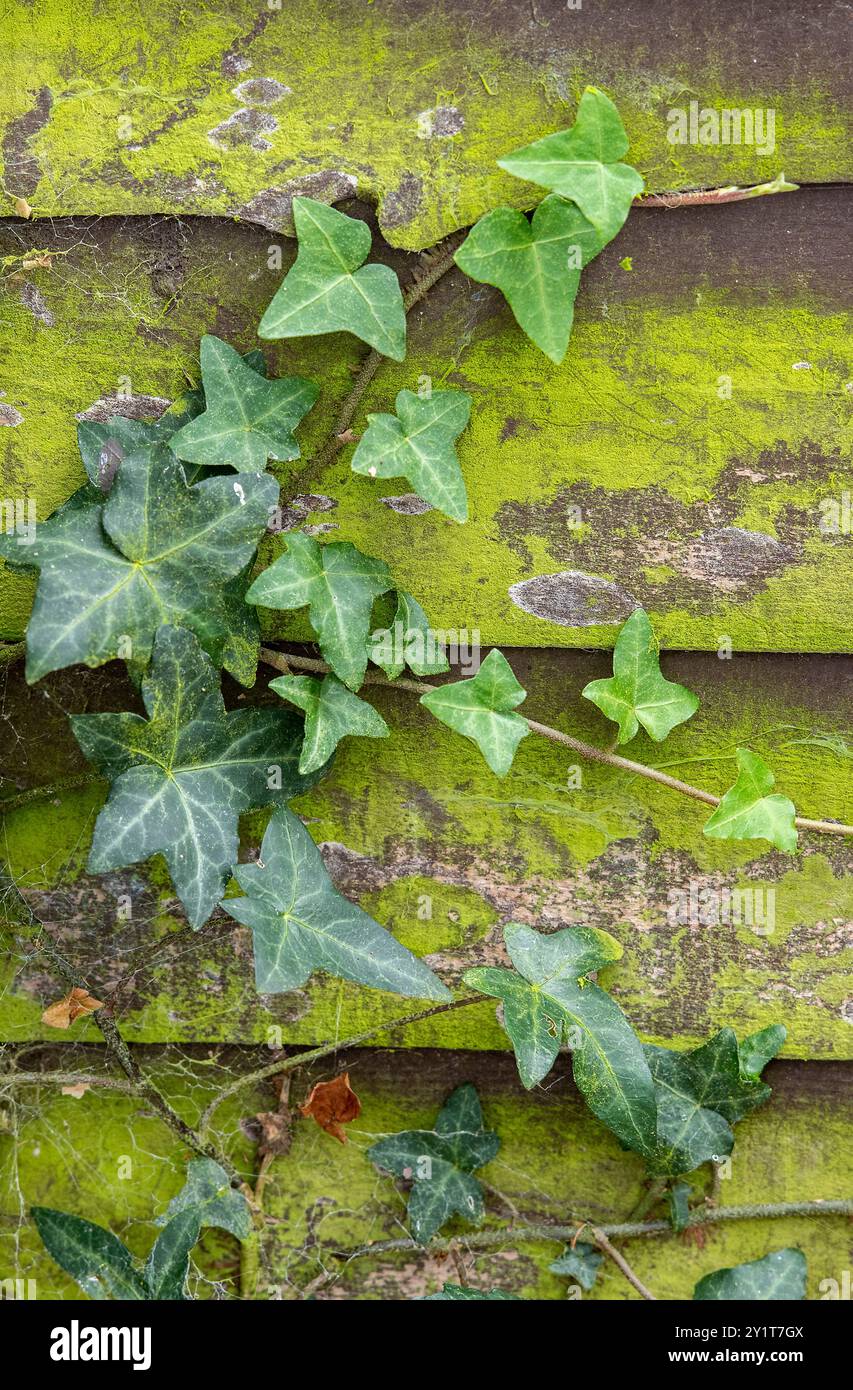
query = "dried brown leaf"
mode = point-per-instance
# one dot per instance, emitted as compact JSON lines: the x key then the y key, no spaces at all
{"x":333,"y":1104}
{"x":63,"y":1012}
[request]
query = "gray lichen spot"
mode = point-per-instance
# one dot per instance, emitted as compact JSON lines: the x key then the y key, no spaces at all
{"x":440,"y":123}
{"x":847,"y":1010}
{"x":9,"y":415}
{"x":403,"y":203}
{"x":731,"y":558}
{"x":245,"y":127}
{"x":261,"y":91}
{"x":234,"y":63}
{"x":299,"y":507}
{"x":273,"y":207}
{"x":409,"y":504}
{"x":573,"y":599}
{"x":32,"y":299}
{"x":131,"y":407}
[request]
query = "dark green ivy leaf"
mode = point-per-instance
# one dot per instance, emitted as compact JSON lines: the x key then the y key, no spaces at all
{"x":462,"y":1294}
{"x":481,"y":709}
{"x":181,"y":778}
{"x":300,"y":923}
{"x":168,"y":1262}
{"x":778,"y":1276}
{"x":409,"y":641}
{"x":103,"y":446}
{"x":418,"y":443}
{"x":751,"y":810}
{"x":97,"y":1260}
{"x":581,"y":1263}
{"x":678,"y":1204}
{"x":207,"y":1199}
{"x":331,"y":713}
{"x":760,"y":1048}
{"x":637,"y":693}
{"x":440,"y":1162}
{"x":326,"y":292}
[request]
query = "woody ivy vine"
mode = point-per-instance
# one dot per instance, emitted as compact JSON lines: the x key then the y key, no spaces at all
{"x":151,"y":562}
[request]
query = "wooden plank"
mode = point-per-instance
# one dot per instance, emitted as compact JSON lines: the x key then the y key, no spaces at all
{"x":554,"y":1159}
{"x":625,"y":475}
{"x":133,"y":108}
{"x":419,"y":832}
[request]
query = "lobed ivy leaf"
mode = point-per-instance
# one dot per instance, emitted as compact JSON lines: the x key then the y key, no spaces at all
{"x":750,"y":810}
{"x":338,"y":584}
{"x":440,"y":1163}
{"x":154,"y":551}
{"x":331,"y":713}
{"x":781,"y":1275}
{"x":181,"y":777}
{"x":326,"y":292}
{"x":464,"y":1294}
{"x":481,"y":709}
{"x":410,"y":641}
{"x":247,"y":419}
{"x":536,"y":265}
{"x":99,"y":1263}
{"x":417,"y":443}
{"x":637,"y":693}
{"x":583,"y":164}
{"x":580,"y":1262}
{"x":207,"y":1199}
{"x":702,"y":1094}
{"x":546,"y":999}
{"x":300,"y":923}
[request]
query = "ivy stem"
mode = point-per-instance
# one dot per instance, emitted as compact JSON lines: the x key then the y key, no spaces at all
{"x":584,"y":750}
{"x":621,"y":1263}
{"x":701,"y":197}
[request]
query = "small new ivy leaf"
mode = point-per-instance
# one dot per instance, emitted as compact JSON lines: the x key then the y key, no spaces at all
{"x":678,"y":1203}
{"x":331,"y":713}
{"x":481,"y":709}
{"x":181,"y":778}
{"x":300,"y":923}
{"x":326,"y":292}
{"x":465,"y":1294}
{"x":748,"y":811}
{"x":547,"y":999}
{"x":97,"y":1261}
{"x":417,"y":443}
{"x":410,"y":641}
{"x":700,"y":1095}
{"x":155,"y":551}
{"x":583,"y":164}
{"x":248,"y":419}
{"x":536,"y":265}
{"x":581,"y":1262}
{"x":780,"y":1275}
{"x":637,"y":693}
{"x":760,"y":1048}
{"x":339,"y":584}
{"x":439,"y":1162}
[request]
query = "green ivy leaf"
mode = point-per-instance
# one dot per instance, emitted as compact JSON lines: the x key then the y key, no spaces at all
{"x":700,"y":1095}
{"x":247,"y":419}
{"x":181,"y":778}
{"x":536,"y":265}
{"x":207,"y":1199}
{"x":97,"y":1261}
{"x":338,"y":583}
{"x":439,"y":1162}
{"x":331,"y":713}
{"x":410,"y":641}
{"x":481,"y":709}
{"x":548,"y":1000}
{"x":417,"y":443}
{"x":301,"y":924}
{"x":581,"y":1263}
{"x":748,"y":811}
{"x":156,"y":551}
{"x":779,"y":1276}
{"x":103,"y":446}
{"x":760,"y":1048}
{"x":637,"y":693}
{"x":326,"y":292}
{"x":462,"y":1294}
{"x":168,"y":1263}
{"x":582,"y":164}
{"x":678,"y":1203}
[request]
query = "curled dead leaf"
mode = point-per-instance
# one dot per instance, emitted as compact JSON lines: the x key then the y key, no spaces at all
{"x":63,"y":1013}
{"x":22,"y":208}
{"x":333,"y":1104}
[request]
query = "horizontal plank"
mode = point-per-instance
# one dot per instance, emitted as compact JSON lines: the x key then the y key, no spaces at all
{"x":411,"y":101}
{"x":418,"y":831}
{"x":687,"y":455}
{"x":554,"y":1159}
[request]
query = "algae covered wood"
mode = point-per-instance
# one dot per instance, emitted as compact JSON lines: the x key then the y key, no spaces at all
{"x":440,"y":851}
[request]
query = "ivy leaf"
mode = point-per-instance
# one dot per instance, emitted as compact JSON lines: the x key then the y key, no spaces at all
{"x":548,"y":998}
{"x":748,"y":811}
{"x":247,"y":419}
{"x":440,"y":1162}
{"x":678,"y":1203}
{"x":637,"y":693}
{"x":339,"y":584}
{"x":104,"y":445}
{"x":536,"y":265}
{"x":760,"y":1048}
{"x":410,"y":641}
{"x":181,"y":778}
{"x":581,"y":1263}
{"x":417,"y":443}
{"x":168,"y":1263}
{"x":481,"y":709}
{"x":778,"y":1276}
{"x":97,"y":1261}
{"x":582,"y":164}
{"x":155,"y":551}
{"x":300,"y":923}
{"x":700,"y":1095}
{"x":331,"y":713}
{"x":207,"y":1199}
{"x":326,"y":292}
{"x":464,"y":1294}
